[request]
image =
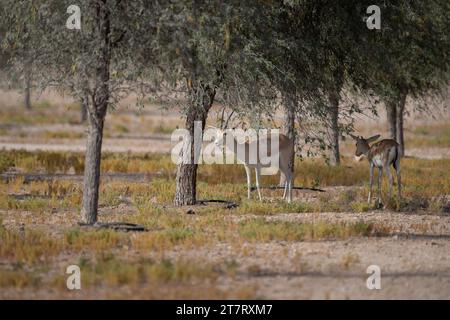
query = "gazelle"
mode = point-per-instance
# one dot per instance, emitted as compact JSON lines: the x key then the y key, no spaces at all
{"x":382,"y":155}
{"x":284,"y":154}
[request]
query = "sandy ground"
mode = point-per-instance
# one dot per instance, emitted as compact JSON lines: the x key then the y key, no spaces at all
{"x":150,"y":144}
{"x":413,"y":259}
{"x":155,"y":143}
{"x":410,"y":269}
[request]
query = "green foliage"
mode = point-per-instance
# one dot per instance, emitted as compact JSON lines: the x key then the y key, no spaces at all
{"x":69,"y":60}
{"x":409,"y":55}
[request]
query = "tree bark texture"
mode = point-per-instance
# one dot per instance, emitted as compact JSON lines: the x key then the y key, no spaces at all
{"x":186,"y":178}
{"x":335,"y":158}
{"x":96,"y":116}
{"x":27,"y":84}
{"x":400,"y":114}
{"x":391,"y":114}
{"x":92,"y":172}
{"x":84,"y":109}
{"x":289,"y":130}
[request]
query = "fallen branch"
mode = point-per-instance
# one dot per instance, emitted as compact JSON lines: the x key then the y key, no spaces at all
{"x":229,"y":204}
{"x":116,"y":226}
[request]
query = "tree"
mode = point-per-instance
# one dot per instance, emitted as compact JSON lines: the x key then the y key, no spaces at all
{"x":320,"y":45}
{"x":3,"y":53}
{"x":101,"y":61}
{"x":84,"y":108}
{"x":27,"y":75}
{"x":308,"y":48}
{"x":330,"y":29}
{"x":23,"y":56}
{"x":198,"y":52}
{"x":408,"y":56}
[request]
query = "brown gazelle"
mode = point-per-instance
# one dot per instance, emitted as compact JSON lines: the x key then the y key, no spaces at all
{"x":284,"y":154}
{"x":382,"y":155}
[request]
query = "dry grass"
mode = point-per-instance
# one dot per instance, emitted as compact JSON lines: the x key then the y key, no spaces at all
{"x":41,"y":239}
{"x":43,"y":112}
{"x":426,"y":184}
{"x":18,"y":279}
{"x":437,"y":135}
{"x":51,"y":109}
{"x":260,"y":230}
{"x":27,"y":246}
{"x":110,"y":259}
{"x":108,"y":270}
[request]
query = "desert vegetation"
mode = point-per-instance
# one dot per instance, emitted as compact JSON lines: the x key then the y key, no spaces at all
{"x":86,"y":118}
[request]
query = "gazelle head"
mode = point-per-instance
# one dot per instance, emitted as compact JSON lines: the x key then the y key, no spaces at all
{"x":362,"y":144}
{"x":218,"y":136}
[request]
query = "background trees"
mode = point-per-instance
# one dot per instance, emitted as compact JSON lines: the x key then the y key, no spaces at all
{"x":20,"y":75}
{"x":191,"y":48}
{"x":315,"y":49}
{"x":97,"y":64}
{"x":408,"y":56}
{"x":302,"y":55}
{"x":202,"y":54}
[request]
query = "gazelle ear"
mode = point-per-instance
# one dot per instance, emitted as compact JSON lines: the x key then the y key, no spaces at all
{"x":354,"y":137}
{"x":373,"y":138}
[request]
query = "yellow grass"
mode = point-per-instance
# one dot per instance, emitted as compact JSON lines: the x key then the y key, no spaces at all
{"x":426,"y":184}
{"x":108,"y":259}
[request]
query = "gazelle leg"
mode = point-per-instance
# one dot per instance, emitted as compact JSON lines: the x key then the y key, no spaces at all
{"x":399,"y":180}
{"x":258,"y":175}
{"x":290,"y":178}
{"x":286,"y":184}
{"x":370,"y":183}
{"x":249,"y":181}
{"x":391,"y":181}
{"x":380,"y":177}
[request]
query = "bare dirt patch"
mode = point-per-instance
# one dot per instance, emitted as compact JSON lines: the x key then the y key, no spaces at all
{"x":413,"y":260}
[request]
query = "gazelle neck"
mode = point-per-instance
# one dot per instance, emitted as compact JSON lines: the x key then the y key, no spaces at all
{"x":367,"y":151}
{"x":231,"y":145}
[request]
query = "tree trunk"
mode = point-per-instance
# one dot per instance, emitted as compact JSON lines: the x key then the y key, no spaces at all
{"x":27,"y":76}
{"x":335,"y":158}
{"x":186,"y":179}
{"x":289,"y":131}
{"x":84,"y":109}
{"x":92,"y":171}
{"x":400,"y":112}
{"x":97,"y":112}
{"x":391,"y":114}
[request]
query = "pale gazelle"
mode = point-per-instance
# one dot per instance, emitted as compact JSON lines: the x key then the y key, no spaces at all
{"x":282,"y":156}
{"x":382,"y":155}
